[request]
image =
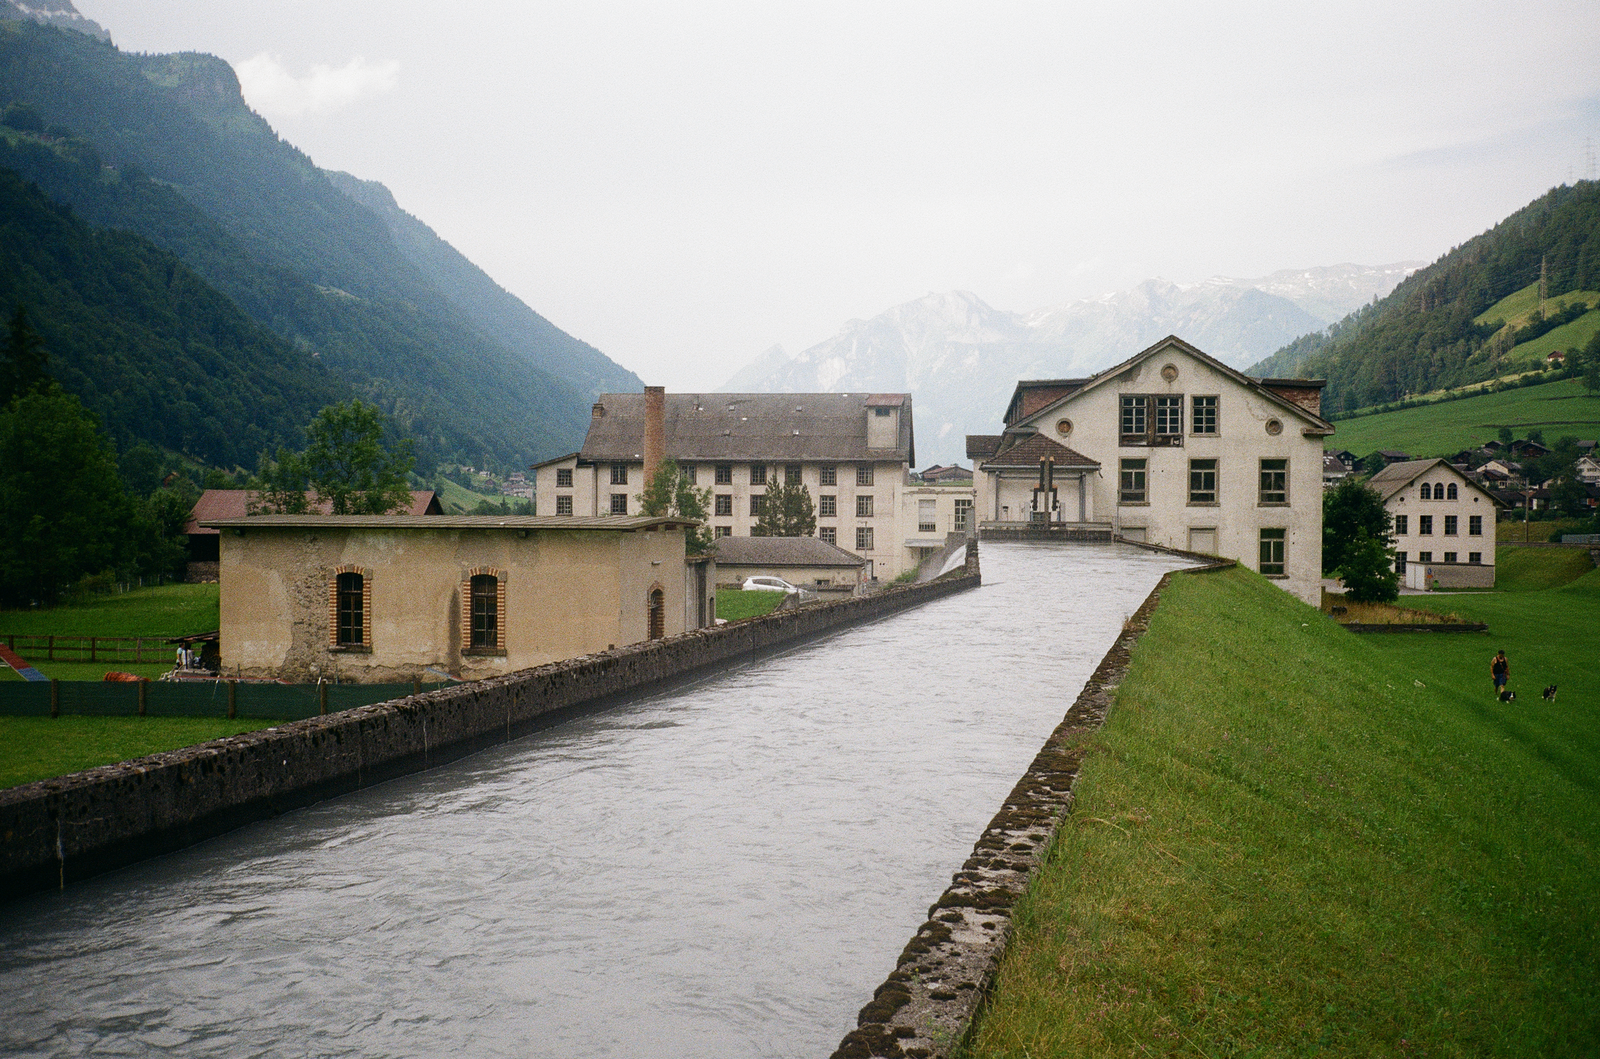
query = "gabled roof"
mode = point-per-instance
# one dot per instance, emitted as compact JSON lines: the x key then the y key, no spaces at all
{"x":453,"y":522}
{"x":1026,"y":450}
{"x":235,"y":503}
{"x":1030,"y":395}
{"x":553,"y":459}
{"x":748,"y":426}
{"x":982,"y":446}
{"x":1281,"y":392}
{"x":1397,"y":476}
{"x":783,"y":551}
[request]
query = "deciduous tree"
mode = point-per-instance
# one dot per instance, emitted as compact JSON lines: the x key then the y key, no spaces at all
{"x":1356,"y":542}
{"x":345,"y":463}
{"x":669,"y":492}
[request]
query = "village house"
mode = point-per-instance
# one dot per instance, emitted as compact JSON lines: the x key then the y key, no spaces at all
{"x":853,"y":453}
{"x":386,"y":598}
{"x":1170,"y":447}
{"x":1443,"y":524}
{"x":804,"y":562}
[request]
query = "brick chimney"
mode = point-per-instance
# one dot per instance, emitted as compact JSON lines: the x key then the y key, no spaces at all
{"x":655,"y":429}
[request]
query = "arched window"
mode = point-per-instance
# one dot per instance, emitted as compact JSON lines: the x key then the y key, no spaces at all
{"x":1450,"y":491}
{"x":350,"y":608}
{"x":1427,"y":491}
{"x":483,"y":612}
{"x":658,"y":614}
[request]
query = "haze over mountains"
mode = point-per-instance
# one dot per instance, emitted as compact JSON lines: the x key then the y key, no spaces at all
{"x":350,"y":285}
{"x":960,"y":357}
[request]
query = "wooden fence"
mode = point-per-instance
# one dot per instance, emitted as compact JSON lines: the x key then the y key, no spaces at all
{"x":126,"y":649}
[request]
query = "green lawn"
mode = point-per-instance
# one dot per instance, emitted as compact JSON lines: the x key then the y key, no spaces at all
{"x":1293,"y":840}
{"x":1558,"y":408}
{"x":39,"y":748}
{"x":1530,"y":569}
{"x":167,"y":610}
{"x":735,"y":603}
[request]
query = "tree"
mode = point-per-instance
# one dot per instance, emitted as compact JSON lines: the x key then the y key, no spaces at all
{"x":788,"y":512}
{"x":669,"y":492}
{"x":24,"y":364}
{"x":1505,"y":435}
{"x":1348,"y":511}
{"x":63,"y":511}
{"x":1368,"y":572}
{"x":1589,"y":364}
{"x":345,"y":464}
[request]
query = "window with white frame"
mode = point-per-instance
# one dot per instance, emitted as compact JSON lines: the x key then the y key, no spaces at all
{"x":863,"y":538}
{"x":963,"y":519}
{"x":1203,"y":415}
{"x":864,"y":474}
{"x":1135,"y":421}
{"x":563,"y":477}
{"x":1169,"y":415}
{"x":828,"y":534}
{"x":619,"y":474}
{"x":564,"y":504}
{"x":828,"y":474}
{"x":827,"y":506}
{"x":864,"y":506}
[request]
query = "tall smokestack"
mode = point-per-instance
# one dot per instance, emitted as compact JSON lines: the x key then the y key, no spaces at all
{"x":655,"y":429}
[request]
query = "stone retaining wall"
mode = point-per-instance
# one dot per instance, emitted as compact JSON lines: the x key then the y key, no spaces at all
{"x":926,"y":1006}
{"x":56,"y":831}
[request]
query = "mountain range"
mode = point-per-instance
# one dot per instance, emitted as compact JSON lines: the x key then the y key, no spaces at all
{"x":165,"y":147}
{"x":960,"y":357}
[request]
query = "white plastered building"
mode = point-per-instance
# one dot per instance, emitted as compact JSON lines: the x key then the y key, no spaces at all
{"x":1443,"y":524}
{"x":1170,"y":447}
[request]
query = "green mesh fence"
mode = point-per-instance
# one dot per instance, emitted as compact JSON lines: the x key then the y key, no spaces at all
{"x":284,"y":702}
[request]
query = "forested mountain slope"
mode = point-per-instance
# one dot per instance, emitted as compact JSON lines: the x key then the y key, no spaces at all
{"x":146,"y":343}
{"x":1426,"y":334}
{"x":165,"y":146}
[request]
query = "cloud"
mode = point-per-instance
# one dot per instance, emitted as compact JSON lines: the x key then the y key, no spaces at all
{"x":276,"y":93}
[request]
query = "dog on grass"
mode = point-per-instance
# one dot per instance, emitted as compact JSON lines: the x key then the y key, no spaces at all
{"x":1507,"y":695}
{"x":1550,"y":693}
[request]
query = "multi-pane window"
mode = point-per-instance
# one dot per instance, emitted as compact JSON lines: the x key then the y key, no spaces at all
{"x":758,"y":504}
{"x":1135,"y":416}
{"x":724,"y":504}
{"x":1475,"y":557}
{"x":1272,"y":545}
{"x":564,"y":478}
{"x":686,"y":471}
{"x":1400,"y":562}
{"x":1401,"y":525}
{"x":564,"y":505}
{"x":758,"y":474}
{"x":1169,"y":414}
{"x":1425,"y":526}
{"x":864,"y":506}
{"x":863,"y":538}
{"x":1203,"y":418}
{"x":619,"y":474}
{"x":791,"y":474}
{"x":1450,"y":524}
{"x":864,"y":474}
{"x":1427,"y":491}
{"x":724,"y":531}
{"x":1424,"y":557}
{"x":1474,"y":525}
{"x":1131,"y":488}
{"x":724,"y":474}
{"x":1202,"y":481}
{"x":827,"y":506}
{"x":829,"y":474}
{"x":926,"y":516}
{"x":1450,"y":491}
{"x":963,"y":518}
{"x":830,"y":534}
{"x":1449,"y":557}
{"x":619,"y":503}
{"x":485,"y":629}
{"x":1274,"y":481}
{"x":351,"y":610}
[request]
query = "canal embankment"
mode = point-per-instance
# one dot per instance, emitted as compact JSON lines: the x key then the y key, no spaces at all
{"x":60,"y":830}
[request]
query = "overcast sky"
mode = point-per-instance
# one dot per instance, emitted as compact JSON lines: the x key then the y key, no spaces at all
{"x":686,"y":184}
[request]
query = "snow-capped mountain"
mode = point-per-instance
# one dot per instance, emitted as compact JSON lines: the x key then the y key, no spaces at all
{"x":53,"y":13}
{"x":960,"y":357}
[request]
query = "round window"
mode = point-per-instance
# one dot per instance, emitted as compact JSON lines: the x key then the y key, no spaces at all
{"x":1063,"y":427}
{"x":1274,"y":427}
{"x":1169,"y":372}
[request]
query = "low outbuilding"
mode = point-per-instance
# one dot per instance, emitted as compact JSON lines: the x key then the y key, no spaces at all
{"x":805,"y":562}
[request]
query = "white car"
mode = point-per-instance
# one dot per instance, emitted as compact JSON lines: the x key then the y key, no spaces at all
{"x":769,"y":584}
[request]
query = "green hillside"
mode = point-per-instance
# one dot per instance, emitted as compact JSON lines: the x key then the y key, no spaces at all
{"x":1438,"y":328}
{"x":146,"y":344}
{"x":165,"y":146}
{"x":1558,"y":409}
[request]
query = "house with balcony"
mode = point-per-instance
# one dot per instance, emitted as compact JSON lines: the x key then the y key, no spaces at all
{"x":1170,"y":447}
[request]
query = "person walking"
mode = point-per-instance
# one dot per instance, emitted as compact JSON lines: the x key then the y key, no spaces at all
{"x":1500,"y":670}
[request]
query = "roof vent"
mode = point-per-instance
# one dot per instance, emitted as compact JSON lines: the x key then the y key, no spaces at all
{"x":797,"y":433}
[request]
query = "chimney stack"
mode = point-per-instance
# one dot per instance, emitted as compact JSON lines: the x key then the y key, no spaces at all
{"x":655,"y":429}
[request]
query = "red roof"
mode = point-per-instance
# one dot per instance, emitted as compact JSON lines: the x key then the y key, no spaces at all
{"x":235,"y":503}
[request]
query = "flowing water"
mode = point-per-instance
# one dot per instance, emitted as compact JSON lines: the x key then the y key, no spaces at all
{"x":726,"y":869}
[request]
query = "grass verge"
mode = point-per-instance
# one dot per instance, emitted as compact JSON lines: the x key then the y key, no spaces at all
{"x":1292,"y":840}
{"x":39,"y":748}
{"x":163,"y":610}
{"x":735,"y":603}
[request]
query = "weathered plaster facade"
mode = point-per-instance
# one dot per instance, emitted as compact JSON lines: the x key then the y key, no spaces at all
{"x":565,"y":590}
{"x":1444,"y":531}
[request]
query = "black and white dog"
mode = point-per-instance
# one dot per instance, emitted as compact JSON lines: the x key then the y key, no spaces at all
{"x":1507,"y":695}
{"x":1550,"y":693}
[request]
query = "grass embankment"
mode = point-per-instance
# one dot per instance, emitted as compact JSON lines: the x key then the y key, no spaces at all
{"x":1558,"y":409}
{"x":735,"y":603}
{"x":1292,"y":840}
{"x":155,"y":613}
{"x":39,"y":748}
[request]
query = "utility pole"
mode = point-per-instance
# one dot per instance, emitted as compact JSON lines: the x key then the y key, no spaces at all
{"x":1544,"y":281}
